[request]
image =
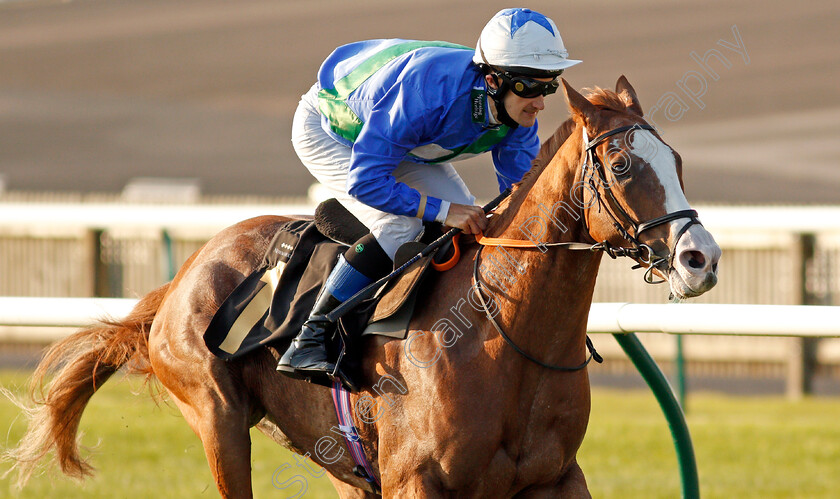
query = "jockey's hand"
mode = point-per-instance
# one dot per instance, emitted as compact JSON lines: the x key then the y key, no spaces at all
{"x":468,"y":218}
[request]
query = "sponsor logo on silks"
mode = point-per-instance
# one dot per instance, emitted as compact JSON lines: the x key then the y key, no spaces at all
{"x":360,"y":247}
{"x":477,"y":99}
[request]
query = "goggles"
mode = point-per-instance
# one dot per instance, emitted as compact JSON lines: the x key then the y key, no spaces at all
{"x":529,"y":88}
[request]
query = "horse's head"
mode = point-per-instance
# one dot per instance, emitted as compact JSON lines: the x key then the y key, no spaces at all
{"x":632,"y":192}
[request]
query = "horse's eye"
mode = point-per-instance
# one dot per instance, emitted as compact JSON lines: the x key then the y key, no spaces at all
{"x":619,"y":162}
{"x":620,"y":169}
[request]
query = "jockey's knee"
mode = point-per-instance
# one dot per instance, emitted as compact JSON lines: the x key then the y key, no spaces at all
{"x":393,"y":232}
{"x":367,"y":256}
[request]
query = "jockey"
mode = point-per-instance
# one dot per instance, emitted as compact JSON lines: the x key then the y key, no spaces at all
{"x":381,"y":127}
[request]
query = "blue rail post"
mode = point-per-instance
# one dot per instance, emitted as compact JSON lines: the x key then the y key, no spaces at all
{"x":673,"y":413}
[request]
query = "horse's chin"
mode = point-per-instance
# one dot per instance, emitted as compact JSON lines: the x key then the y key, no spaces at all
{"x":683,"y":290}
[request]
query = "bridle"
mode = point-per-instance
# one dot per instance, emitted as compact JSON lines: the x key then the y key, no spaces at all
{"x":642,"y":253}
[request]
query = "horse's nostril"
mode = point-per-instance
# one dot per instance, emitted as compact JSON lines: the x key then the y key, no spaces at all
{"x":714,"y":267}
{"x":696,"y":260}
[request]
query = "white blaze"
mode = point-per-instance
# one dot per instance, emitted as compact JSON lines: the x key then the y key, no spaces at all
{"x":660,"y":157}
{"x":696,"y":240}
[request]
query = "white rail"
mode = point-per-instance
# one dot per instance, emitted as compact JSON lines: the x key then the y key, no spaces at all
{"x":144,"y":216}
{"x":64,"y":312}
{"x":715,"y":319}
{"x":749,"y":320}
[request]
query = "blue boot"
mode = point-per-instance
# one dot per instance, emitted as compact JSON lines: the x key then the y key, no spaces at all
{"x":307,"y":356}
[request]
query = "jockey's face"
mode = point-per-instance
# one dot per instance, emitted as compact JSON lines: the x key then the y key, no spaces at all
{"x":523,"y":110}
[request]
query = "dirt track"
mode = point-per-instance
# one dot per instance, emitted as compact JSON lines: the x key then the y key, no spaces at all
{"x":96,"y":92}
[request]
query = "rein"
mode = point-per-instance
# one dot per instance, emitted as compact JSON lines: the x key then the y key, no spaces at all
{"x":642,"y":253}
{"x":480,"y":293}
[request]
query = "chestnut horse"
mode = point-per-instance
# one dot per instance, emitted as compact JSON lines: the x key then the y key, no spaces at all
{"x":453,"y":410}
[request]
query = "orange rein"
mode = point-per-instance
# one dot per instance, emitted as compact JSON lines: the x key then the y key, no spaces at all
{"x":484,"y":241}
{"x":456,"y":255}
{"x":499,"y":241}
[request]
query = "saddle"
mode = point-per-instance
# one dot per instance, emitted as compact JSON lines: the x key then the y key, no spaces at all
{"x":270,"y":306}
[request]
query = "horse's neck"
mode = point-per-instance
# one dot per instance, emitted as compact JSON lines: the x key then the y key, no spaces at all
{"x":554,"y":288}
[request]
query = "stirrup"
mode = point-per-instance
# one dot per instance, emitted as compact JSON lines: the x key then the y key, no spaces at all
{"x":341,"y":376}
{"x":327,"y":378}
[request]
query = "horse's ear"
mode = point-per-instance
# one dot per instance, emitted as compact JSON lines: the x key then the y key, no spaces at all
{"x":578,"y":104}
{"x":623,"y":86}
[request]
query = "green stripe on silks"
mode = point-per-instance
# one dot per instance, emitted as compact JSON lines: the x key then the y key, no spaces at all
{"x":331,"y":101}
{"x":343,"y":121}
{"x":483,"y":143}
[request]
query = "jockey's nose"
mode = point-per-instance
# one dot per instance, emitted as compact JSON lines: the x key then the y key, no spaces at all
{"x":538,"y":102}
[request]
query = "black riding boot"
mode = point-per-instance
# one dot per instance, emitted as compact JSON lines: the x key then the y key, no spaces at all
{"x":307,"y":356}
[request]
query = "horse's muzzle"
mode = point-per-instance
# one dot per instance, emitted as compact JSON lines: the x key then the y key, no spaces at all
{"x":695,"y":264}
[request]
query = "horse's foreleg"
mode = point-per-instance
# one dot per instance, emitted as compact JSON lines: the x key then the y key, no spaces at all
{"x":415,"y":485}
{"x":571,"y":485}
{"x":347,"y":491}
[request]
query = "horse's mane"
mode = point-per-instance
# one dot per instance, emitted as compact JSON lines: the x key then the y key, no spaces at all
{"x":550,"y":147}
{"x":609,"y":99}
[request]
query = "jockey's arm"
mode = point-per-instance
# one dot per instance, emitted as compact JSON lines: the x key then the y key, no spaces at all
{"x":394,"y":127}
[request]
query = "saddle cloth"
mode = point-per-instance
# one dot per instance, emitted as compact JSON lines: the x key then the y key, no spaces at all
{"x":270,"y":306}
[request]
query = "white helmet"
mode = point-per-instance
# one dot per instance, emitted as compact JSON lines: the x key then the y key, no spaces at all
{"x":522,"y":41}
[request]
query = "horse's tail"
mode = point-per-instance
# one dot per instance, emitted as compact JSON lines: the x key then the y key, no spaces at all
{"x":79,"y":365}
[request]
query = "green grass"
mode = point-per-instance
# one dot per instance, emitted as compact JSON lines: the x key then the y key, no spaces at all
{"x":761,"y":447}
{"x":143,"y":450}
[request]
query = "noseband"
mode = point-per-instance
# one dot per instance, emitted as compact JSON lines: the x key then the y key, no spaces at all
{"x":641,"y":252}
